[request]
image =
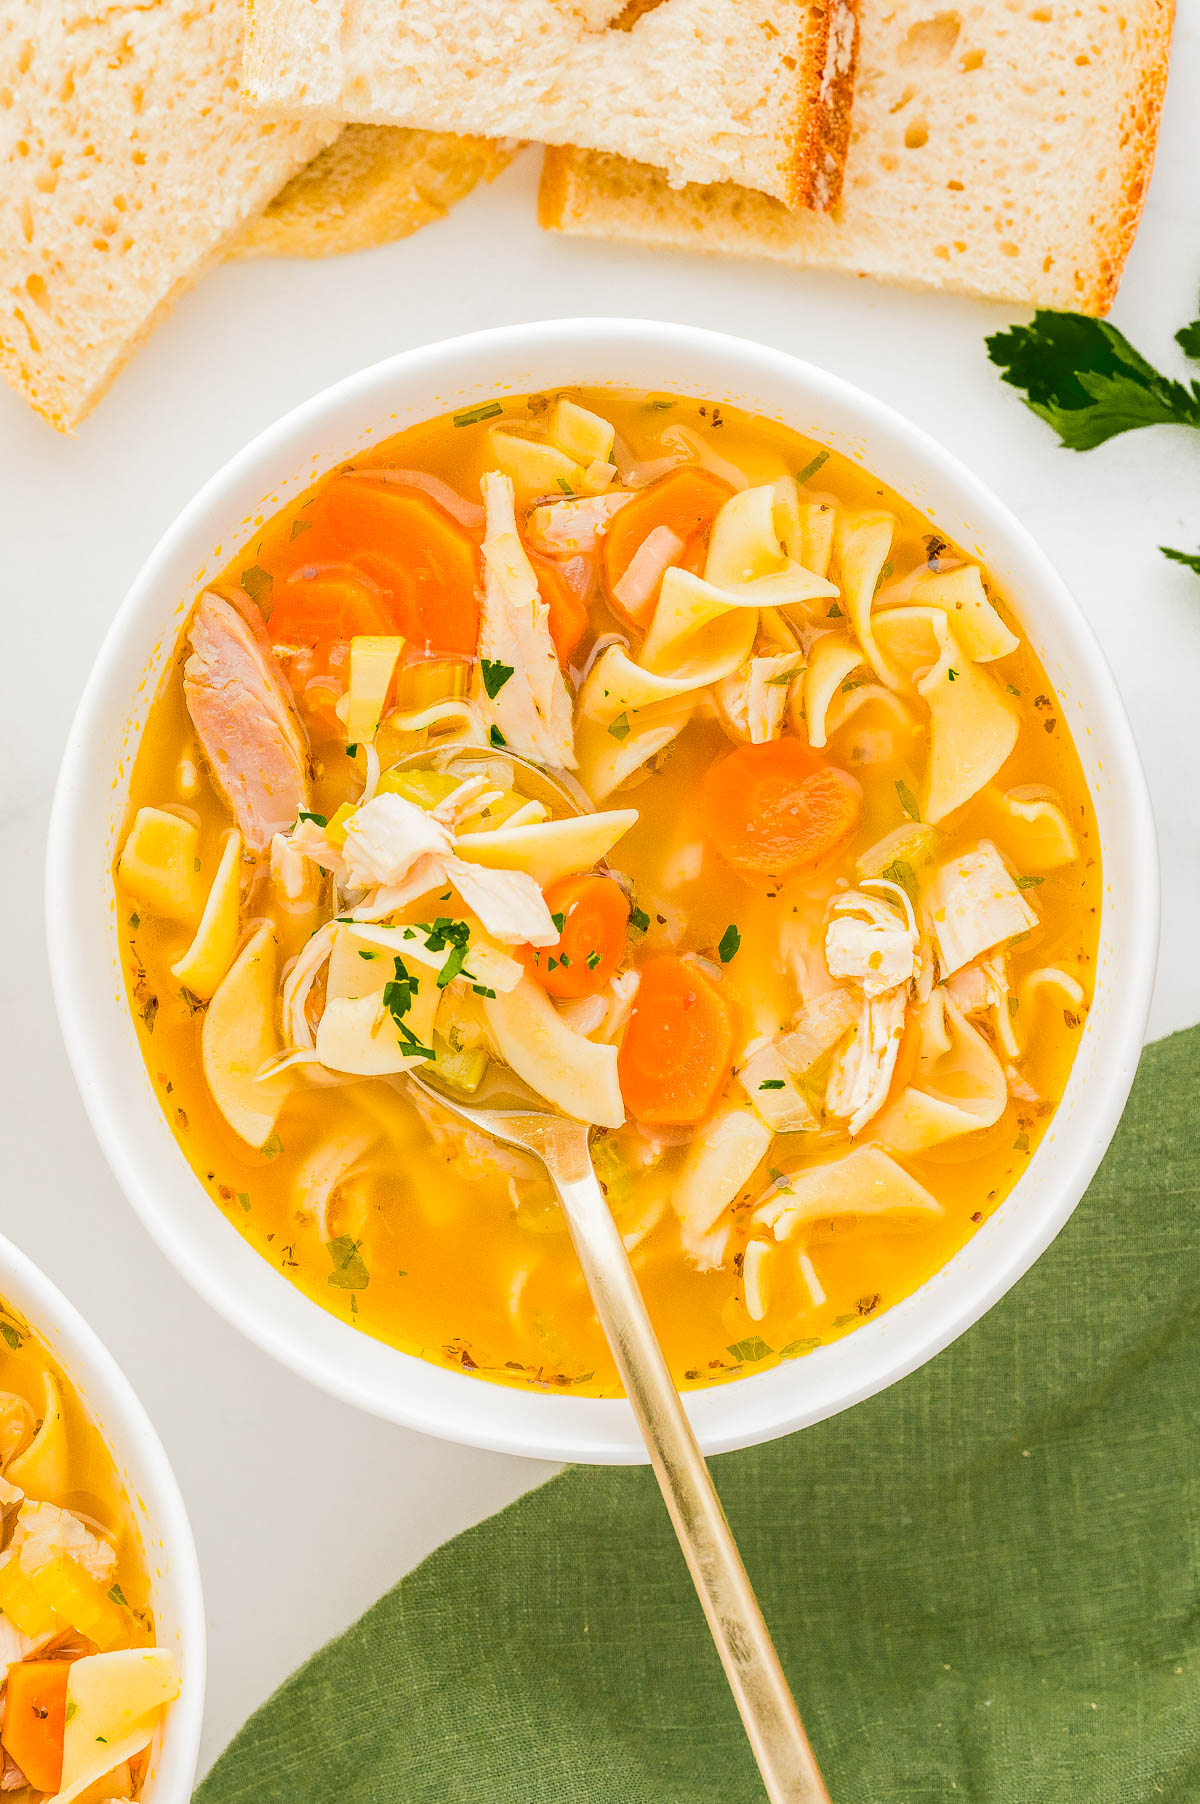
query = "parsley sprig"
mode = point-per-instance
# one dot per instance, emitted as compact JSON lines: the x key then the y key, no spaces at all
{"x":1084,"y":378}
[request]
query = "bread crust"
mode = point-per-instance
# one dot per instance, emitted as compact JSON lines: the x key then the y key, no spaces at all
{"x":822,"y":131}
{"x":1079,"y":224}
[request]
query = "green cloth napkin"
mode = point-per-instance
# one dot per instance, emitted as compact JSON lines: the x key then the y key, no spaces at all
{"x":983,"y":1583}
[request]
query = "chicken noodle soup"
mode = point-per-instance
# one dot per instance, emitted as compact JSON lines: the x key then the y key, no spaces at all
{"x":85,"y":1688}
{"x":640,"y":749}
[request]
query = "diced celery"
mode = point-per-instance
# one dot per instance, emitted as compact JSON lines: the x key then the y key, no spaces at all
{"x":461,"y":1070}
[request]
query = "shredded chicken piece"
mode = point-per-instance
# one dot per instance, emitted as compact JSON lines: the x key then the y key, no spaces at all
{"x":867,"y":941}
{"x":533,"y":707}
{"x":980,"y":986}
{"x":44,"y":1533}
{"x":755,"y":698}
{"x":565,"y":528}
{"x":386,"y":839}
{"x":862,"y":1072}
{"x":246,"y":722}
{"x":975,"y":905}
{"x":509,"y":903}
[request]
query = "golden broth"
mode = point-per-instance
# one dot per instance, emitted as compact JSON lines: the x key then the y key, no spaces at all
{"x":461,"y":1257}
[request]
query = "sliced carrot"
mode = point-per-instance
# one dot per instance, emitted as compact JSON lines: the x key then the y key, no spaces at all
{"x":773,"y":810}
{"x":318,"y":606}
{"x":425,"y":565}
{"x":685,"y":500}
{"x":568,"y":609}
{"x":591,"y":945}
{"x":678,"y":1049}
{"x":34,"y":1719}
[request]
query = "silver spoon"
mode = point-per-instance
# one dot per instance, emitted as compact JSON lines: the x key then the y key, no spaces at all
{"x":768,"y":1711}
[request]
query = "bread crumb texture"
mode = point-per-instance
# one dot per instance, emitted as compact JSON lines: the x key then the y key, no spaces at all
{"x":129,"y":161}
{"x":751,"y":91}
{"x":1002,"y":148}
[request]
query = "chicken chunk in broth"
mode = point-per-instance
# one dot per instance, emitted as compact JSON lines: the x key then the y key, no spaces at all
{"x":802,"y":917}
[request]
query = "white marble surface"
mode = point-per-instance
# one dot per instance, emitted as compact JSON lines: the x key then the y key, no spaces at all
{"x":305,"y":1511}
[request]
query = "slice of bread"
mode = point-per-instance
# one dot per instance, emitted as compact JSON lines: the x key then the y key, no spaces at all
{"x":752,"y":91}
{"x":374,"y":183}
{"x":1002,"y":148}
{"x":129,"y":160}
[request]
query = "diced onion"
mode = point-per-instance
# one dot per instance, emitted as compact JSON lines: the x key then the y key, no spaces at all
{"x":467,"y":513}
{"x":653,"y":558}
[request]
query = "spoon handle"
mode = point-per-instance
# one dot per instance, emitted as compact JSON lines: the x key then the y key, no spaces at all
{"x":772,"y":1722}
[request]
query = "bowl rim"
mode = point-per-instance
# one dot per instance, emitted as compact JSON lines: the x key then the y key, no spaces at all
{"x":124,"y":1424}
{"x":612,"y":1436}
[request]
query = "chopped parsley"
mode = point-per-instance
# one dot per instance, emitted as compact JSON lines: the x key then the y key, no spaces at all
{"x":812,"y":466}
{"x":953,"y":675}
{"x":497,"y":737}
{"x":135,"y":920}
{"x":730,"y":940}
{"x":352,"y":750}
{"x":639,"y":920}
{"x":480,"y":989}
{"x":243,"y":1197}
{"x":486,"y":411}
{"x":901,"y":872}
{"x":619,"y":728}
{"x":835,"y":613}
{"x":12,"y":1335}
{"x":494,"y":675}
{"x":398,"y":993}
{"x":1012,"y":689}
{"x":258,"y":584}
{"x":560,"y":921}
{"x":318,"y":820}
{"x":908,"y":800}
{"x":593,"y":959}
{"x":564,"y":485}
{"x":772,"y":1083}
{"x":272,"y":1147}
{"x":795,"y":1348}
{"x":1021,"y":1143}
{"x":117,"y":1596}
{"x":299,"y":526}
{"x":1029,"y":882}
{"x":371,"y":954}
{"x":349,"y":1267}
{"x":753,"y":1348}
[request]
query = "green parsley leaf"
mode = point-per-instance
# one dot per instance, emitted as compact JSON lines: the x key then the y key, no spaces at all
{"x":1021,"y":1143}
{"x":1188,"y":340}
{"x":564,"y":485}
{"x":1190,"y":558}
{"x":371,"y":954}
{"x":560,"y":921}
{"x":12,"y":1336}
{"x":639,"y":920}
{"x":908,"y":800}
{"x":752,"y":1348}
{"x":730,"y":940}
{"x":487,"y":411}
{"x":953,"y":675}
{"x":480,"y":989}
{"x":772,"y":1083}
{"x":299,"y":526}
{"x":352,"y":750}
{"x":497,"y":737}
{"x":272,"y":1147}
{"x":835,"y":613}
{"x":619,"y":728}
{"x":1012,"y":689}
{"x":349,"y":1268}
{"x":135,"y":920}
{"x":810,"y":469}
{"x":902,"y":873}
{"x":399,"y":992}
{"x":593,"y":959}
{"x":117,"y":1596}
{"x":1084,"y":378}
{"x":494,"y":675}
{"x":453,"y":966}
{"x":258,"y":584}
{"x":1029,"y":882}
{"x":658,"y":405}
{"x":795,"y":1348}
{"x":243,"y":1197}
{"x":318,"y":820}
